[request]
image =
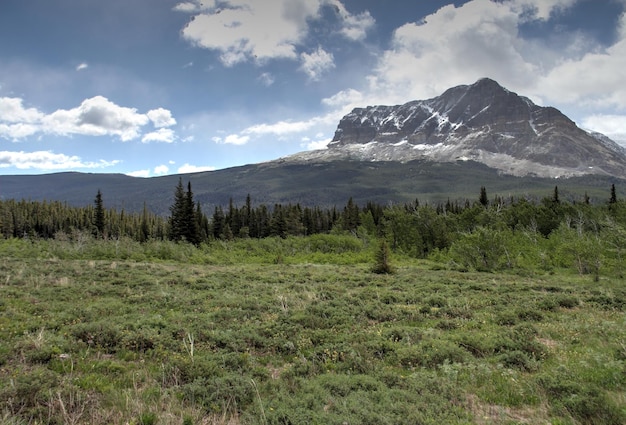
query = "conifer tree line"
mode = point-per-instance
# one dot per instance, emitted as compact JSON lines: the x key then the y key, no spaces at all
{"x":417,"y":229}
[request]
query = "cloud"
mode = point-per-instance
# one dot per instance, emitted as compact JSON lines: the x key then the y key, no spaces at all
{"x":280,"y":128}
{"x":139,"y":173}
{"x":188,"y":168}
{"x":161,"y":118}
{"x":12,"y":111}
{"x":163,"y":135}
{"x":267,"y":79}
{"x":261,"y":30}
{"x":459,"y":45}
{"x":17,"y":131}
{"x":96,"y":116}
{"x":187,"y":7}
{"x":82,"y":66}
{"x":454,"y":45}
{"x":595,"y":79}
{"x":46,"y":160}
{"x":161,"y":170}
{"x":613,"y":126}
{"x":321,"y":143}
{"x":234,"y":139}
{"x":355,"y":26}
{"x":314,"y":65}
{"x":344,"y":97}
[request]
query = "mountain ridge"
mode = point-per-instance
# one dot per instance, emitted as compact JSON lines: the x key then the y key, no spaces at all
{"x":484,"y":122}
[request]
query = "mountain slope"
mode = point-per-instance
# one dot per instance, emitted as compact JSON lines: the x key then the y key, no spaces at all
{"x":324,"y":184}
{"x":483,"y":122}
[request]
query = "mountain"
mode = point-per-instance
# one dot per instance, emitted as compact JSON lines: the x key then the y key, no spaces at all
{"x":442,"y":148}
{"x":483,"y":122}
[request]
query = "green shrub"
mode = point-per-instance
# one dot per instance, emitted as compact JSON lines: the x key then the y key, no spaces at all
{"x":29,"y":391}
{"x":431,"y":353}
{"x":224,"y":393}
{"x":584,"y":402}
{"x":519,"y":360}
{"x":101,"y":335}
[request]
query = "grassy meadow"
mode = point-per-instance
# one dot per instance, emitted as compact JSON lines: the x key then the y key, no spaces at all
{"x":300,"y":331}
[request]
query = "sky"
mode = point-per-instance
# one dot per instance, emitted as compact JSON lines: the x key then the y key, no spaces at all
{"x":157,"y":87}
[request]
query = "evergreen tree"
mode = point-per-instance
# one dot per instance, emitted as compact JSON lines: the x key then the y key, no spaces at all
{"x":351,"y":216}
{"x":247,"y":212}
{"x":263,"y":222}
{"x":555,"y":196}
{"x":382,"y":263}
{"x":98,"y":215}
{"x":218,"y":222}
{"x":484,"y":201}
{"x":278,"y":223}
{"x":177,"y":217}
{"x":203,"y":223}
{"x":613,"y":198}
{"x":183,"y":222}
{"x":192,"y":229}
{"x":144,"y":232}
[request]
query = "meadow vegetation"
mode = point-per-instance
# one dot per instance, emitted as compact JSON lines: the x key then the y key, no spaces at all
{"x":489,"y":314}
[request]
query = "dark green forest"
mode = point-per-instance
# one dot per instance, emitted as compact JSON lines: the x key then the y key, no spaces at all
{"x":486,"y":233}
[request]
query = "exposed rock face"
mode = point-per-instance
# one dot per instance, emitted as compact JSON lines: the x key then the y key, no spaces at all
{"x":483,"y":122}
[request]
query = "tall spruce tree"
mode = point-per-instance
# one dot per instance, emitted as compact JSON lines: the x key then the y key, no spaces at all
{"x":98,"y":215}
{"x":144,"y":229}
{"x":613,"y":198}
{"x":484,"y":201}
{"x":177,"y":210}
{"x":183,"y":222}
{"x":192,"y":229}
{"x":555,"y":196}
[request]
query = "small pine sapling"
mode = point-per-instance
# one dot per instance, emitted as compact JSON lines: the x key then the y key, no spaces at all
{"x":382,"y":260}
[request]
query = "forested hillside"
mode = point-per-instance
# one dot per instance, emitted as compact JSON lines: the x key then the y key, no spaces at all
{"x":309,"y":184}
{"x":484,"y":233}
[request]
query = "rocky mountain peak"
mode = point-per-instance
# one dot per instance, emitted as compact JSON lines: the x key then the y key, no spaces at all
{"x":483,"y":122}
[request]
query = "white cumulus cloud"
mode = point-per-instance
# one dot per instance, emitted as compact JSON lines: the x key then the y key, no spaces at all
{"x":455,"y":45}
{"x":355,"y":26}
{"x":280,"y":128}
{"x":161,"y":118}
{"x":613,"y":126}
{"x":188,"y":168}
{"x":96,"y":116}
{"x":140,"y":173}
{"x":315,"y":64}
{"x":261,"y":30}
{"x":46,"y":160}
{"x":320,"y":143}
{"x":235,"y":139}
{"x":161,"y":170}
{"x":481,"y":38}
{"x":163,"y":135}
{"x":12,"y":110}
